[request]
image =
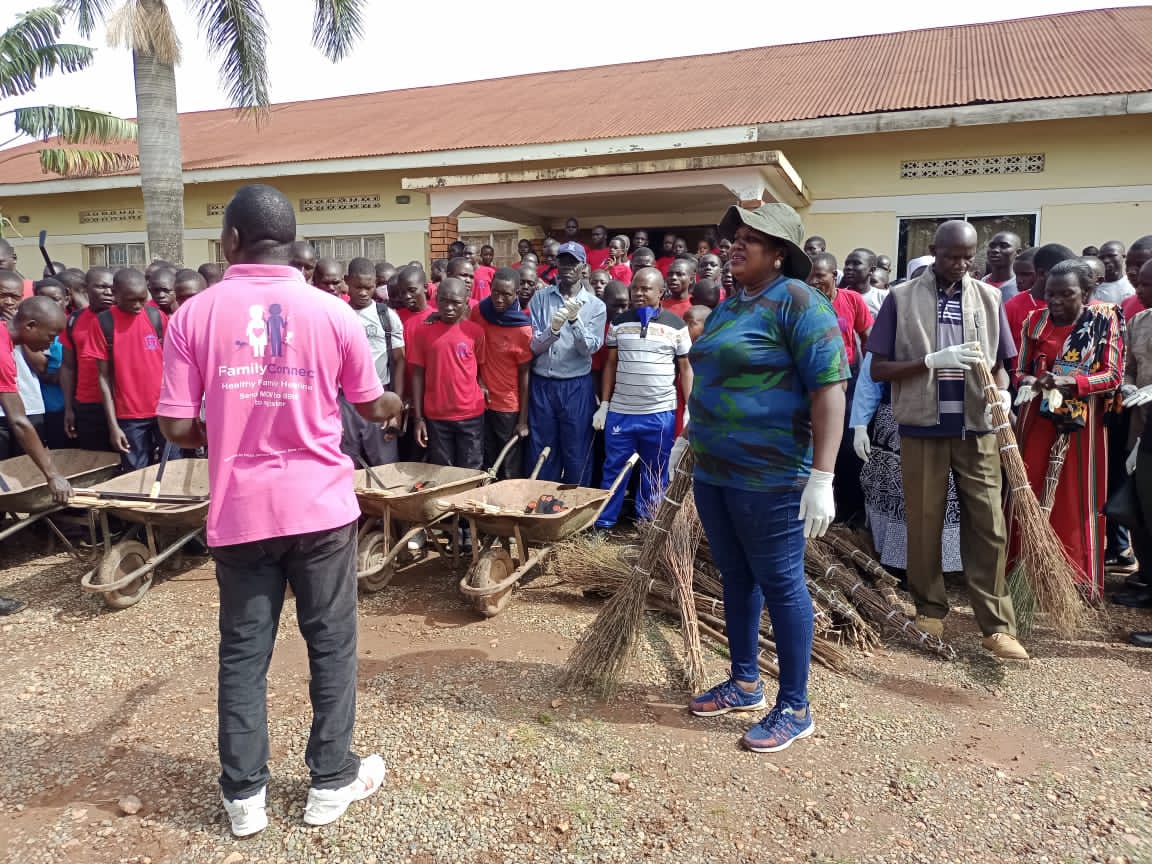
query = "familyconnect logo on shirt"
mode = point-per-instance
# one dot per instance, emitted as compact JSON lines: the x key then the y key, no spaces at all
{"x":270,"y":384}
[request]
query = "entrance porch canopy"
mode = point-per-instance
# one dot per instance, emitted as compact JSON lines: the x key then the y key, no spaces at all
{"x":681,"y":191}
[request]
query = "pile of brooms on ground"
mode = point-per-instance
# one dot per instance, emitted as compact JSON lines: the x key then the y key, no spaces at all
{"x":671,"y":570}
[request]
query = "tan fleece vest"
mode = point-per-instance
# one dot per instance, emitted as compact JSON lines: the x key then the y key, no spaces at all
{"x":916,"y":400}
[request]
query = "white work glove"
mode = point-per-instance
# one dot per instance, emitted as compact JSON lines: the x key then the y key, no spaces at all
{"x":557,"y":321}
{"x":956,"y":357}
{"x":600,"y":418}
{"x":1141,"y":397}
{"x":861,"y":443}
{"x":1026,"y":394}
{"x":684,"y":421}
{"x":1130,"y":462}
{"x":678,"y":449}
{"x":572,"y":308}
{"x":1005,"y":403}
{"x":817,"y":505}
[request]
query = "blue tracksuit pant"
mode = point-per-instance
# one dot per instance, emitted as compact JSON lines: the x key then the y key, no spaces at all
{"x":651,"y":436}
{"x":560,"y":416}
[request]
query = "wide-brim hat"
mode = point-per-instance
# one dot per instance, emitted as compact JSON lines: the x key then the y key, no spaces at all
{"x":778,"y":221}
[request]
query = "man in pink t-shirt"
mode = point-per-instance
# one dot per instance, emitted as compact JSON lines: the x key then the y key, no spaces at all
{"x":266,"y":354}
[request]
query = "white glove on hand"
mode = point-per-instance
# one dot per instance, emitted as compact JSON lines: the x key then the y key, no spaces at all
{"x":600,"y":418}
{"x":861,"y":442}
{"x":1026,"y":394}
{"x":956,"y":357}
{"x":817,"y":505}
{"x":1130,"y":462}
{"x":678,"y":449}
{"x":557,"y":320}
{"x":1141,"y":397}
{"x":572,"y":308}
{"x":1005,"y":403}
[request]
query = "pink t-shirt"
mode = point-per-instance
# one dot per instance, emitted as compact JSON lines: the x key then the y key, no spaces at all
{"x":268,"y":353}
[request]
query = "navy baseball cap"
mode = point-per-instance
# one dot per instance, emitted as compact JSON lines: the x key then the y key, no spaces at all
{"x":576,"y":250}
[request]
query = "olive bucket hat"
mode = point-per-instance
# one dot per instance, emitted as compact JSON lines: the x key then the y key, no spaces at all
{"x":778,"y":221}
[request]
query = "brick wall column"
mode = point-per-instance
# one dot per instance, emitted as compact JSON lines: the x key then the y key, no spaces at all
{"x":443,"y":232}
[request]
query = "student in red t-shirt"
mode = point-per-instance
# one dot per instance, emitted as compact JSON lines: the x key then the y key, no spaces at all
{"x":131,"y":369}
{"x":681,"y":275}
{"x":547,"y":270}
{"x":1042,"y":259}
{"x":667,"y":254}
{"x":508,"y":360}
{"x":598,"y":252}
{"x":162,"y":288}
{"x":462,"y":269}
{"x":84,"y":419}
{"x":528,"y":282}
{"x":597,"y":280}
{"x":618,"y":265}
{"x":484,"y":271}
{"x":448,"y":397}
{"x":708,"y":267}
{"x":852,"y":313}
{"x":641,"y":258}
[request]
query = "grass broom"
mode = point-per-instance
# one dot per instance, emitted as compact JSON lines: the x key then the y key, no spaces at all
{"x":600,"y":657}
{"x":1043,"y":563}
{"x":679,"y":559}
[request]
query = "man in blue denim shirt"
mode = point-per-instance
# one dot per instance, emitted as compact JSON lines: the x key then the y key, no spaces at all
{"x":567,"y":329}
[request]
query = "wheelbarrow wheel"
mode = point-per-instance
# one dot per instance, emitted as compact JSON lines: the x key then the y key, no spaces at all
{"x":494,"y":566}
{"x":120,"y":560}
{"x":371,"y":554}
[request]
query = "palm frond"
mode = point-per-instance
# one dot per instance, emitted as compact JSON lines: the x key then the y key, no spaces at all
{"x":336,"y":27}
{"x":73,"y":125}
{"x":146,"y":27}
{"x":237,"y":34}
{"x":28,"y":50}
{"x":86,"y":12}
{"x":69,"y":162}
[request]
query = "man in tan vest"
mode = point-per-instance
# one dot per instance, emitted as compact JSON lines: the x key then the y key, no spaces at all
{"x":932,"y":331}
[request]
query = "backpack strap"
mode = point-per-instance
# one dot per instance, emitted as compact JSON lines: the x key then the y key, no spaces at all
{"x":382,"y":311}
{"x":70,"y":326}
{"x":157,"y":322}
{"x":108,"y":328}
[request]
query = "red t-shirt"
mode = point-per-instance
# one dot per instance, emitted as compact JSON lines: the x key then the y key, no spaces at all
{"x":482,"y":283}
{"x":137,"y":362}
{"x":87,"y":376}
{"x":451,"y":356}
{"x":1131,"y":307}
{"x":664,"y":263}
{"x":621,"y":273}
{"x":7,"y":362}
{"x":854,"y":317}
{"x":505,"y":349}
{"x":598,"y":258}
{"x":1016,"y":310}
{"x":677,"y":307}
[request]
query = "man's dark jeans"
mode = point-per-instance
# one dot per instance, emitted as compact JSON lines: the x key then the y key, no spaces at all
{"x":321,"y":568}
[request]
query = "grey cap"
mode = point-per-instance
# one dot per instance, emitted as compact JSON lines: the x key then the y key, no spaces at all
{"x":778,"y":221}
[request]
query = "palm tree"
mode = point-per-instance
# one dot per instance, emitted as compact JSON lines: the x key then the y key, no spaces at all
{"x":30,"y":50}
{"x":237,"y":33}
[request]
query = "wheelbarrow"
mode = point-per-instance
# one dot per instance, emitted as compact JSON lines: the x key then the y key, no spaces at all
{"x":400,"y":503}
{"x":126,"y":568}
{"x":515,"y":541}
{"x":23,"y":489}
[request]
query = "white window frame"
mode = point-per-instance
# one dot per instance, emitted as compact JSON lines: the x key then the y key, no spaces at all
{"x":143,"y":258}
{"x":981,"y":214}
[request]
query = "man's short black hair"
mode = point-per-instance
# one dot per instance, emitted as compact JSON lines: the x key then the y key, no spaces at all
{"x":507,"y":274}
{"x":827,"y":259}
{"x":1050,"y":255}
{"x":453,"y":266}
{"x":263,"y":217}
{"x":361,"y":267}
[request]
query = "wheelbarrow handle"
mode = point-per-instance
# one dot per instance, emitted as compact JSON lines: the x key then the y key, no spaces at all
{"x":544,"y":454}
{"x":620,"y":478}
{"x":512,"y":442}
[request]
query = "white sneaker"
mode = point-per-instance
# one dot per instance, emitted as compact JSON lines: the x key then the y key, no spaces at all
{"x":328,"y":805}
{"x":248,"y":814}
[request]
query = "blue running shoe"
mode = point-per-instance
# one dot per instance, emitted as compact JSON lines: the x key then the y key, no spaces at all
{"x":778,"y":730}
{"x":726,"y":697}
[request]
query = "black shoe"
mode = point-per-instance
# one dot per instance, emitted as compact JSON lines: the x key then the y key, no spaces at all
{"x":10,"y":607}
{"x":1134,"y":599}
{"x":1137,"y":582}
{"x":1124,"y":561}
{"x":1141,"y":640}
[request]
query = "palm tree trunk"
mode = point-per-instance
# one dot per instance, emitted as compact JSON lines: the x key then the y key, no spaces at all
{"x":161,"y":173}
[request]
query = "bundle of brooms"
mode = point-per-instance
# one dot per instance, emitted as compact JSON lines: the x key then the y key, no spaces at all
{"x":671,"y":570}
{"x":1043,"y":580}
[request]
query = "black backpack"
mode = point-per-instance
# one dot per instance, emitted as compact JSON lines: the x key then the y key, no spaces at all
{"x":386,"y":322}
{"x":108,"y":328}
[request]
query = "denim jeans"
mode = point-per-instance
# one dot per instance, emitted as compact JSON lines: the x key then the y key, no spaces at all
{"x":145,"y":442}
{"x":321,"y":568}
{"x":757,"y":543}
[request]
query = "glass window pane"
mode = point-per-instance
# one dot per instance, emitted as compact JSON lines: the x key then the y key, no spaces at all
{"x":374,"y":248}
{"x":117,"y":255}
{"x":96,"y":256}
{"x":136,"y":256}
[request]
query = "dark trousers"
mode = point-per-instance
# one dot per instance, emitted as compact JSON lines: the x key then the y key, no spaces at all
{"x":9,"y":444}
{"x":459,"y":443}
{"x":758,"y":545}
{"x":145,"y":443}
{"x":365,"y":439}
{"x":1116,"y":535}
{"x":560,"y":417}
{"x":91,"y":427}
{"x":321,"y":568}
{"x":499,"y":426}
{"x":54,"y":435}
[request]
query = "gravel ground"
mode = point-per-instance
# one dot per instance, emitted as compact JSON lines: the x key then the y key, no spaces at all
{"x":915,"y":760}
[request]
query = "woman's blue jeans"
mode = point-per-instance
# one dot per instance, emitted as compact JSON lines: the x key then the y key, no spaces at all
{"x":757,"y":543}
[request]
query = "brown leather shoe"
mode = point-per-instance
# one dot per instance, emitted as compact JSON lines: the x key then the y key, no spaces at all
{"x":931,"y":626}
{"x":1005,"y":646}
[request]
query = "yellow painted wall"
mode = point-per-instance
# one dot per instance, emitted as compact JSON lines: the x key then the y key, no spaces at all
{"x":844,"y":232}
